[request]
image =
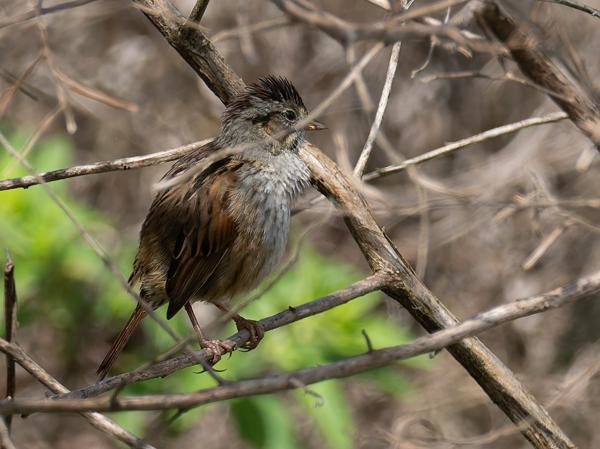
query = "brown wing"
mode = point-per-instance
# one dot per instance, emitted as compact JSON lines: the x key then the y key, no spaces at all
{"x":205,"y":235}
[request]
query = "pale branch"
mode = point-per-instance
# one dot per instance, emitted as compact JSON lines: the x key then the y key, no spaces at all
{"x":383,"y":100}
{"x":569,"y":293}
{"x":291,"y":315}
{"x":10,"y":328}
{"x":126,"y":163}
{"x":460,"y":144}
{"x":542,"y":69}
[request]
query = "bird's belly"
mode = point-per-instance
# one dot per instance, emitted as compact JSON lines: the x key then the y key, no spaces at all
{"x":258,"y":247}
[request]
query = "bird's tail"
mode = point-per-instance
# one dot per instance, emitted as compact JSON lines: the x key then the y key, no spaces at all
{"x":120,"y":341}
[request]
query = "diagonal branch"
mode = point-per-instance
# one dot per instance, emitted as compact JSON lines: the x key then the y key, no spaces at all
{"x":576,"y":290}
{"x":460,"y":144}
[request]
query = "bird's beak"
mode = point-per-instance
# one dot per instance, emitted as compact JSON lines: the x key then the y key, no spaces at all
{"x":315,"y":126}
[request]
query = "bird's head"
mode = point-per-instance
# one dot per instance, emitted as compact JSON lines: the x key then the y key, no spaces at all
{"x":272,"y":108}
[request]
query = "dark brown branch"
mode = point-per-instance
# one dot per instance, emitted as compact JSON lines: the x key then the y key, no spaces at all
{"x":538,"y":66}
{"x":291,"y":315}
{"x":10,"y":328}
{"x":558,"y":297}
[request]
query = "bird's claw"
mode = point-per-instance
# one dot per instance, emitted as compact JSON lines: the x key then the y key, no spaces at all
{"x":254,"y":328}
{"x":216,"y":348}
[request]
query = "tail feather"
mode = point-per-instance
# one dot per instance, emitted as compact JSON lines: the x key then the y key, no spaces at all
{"x":120,"y":341}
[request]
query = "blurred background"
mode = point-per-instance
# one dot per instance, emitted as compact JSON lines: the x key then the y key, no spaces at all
{"x":500,"y":220}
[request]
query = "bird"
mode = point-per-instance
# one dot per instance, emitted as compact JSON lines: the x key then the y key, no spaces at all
{"x":224,"y":227}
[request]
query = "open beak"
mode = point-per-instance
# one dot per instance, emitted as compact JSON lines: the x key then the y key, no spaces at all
{"x":315,"y":126}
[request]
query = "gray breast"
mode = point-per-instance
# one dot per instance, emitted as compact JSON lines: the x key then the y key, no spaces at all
{"x":261,"y":204}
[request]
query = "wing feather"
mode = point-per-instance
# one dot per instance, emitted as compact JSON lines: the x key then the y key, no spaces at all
{"x":206,"y":235}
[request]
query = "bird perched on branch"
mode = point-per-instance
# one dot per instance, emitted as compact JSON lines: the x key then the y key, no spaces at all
{"x":218,"y":229}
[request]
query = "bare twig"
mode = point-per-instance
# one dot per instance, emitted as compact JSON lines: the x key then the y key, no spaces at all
{"x":126,"y":163}
{"x":544,"y":245}
{"x":10,"y":328}
{"x":383,"y":100}
{"x":576,"y":290}
{"x":459,"y":144}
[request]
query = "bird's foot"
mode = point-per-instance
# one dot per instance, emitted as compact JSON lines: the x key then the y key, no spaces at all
{"x":216,"y":348}
{"x":253,"y":327}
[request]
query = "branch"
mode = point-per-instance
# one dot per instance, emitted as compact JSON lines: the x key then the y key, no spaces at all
{"x":528,"y":53}
{"x":558,"y":297}
{"x":459,"y":144}
{"x":10,"y":328}
{"x":126,"y":163}
{"x":291,"y":315}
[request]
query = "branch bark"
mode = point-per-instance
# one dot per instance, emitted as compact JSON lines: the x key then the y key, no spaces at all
{"x":10,"y":328}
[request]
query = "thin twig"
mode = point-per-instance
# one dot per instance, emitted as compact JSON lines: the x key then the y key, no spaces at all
{"x":383,"y":100}
{"x":126,"y":163}
{"x":459,"y":144}
{"x":10,"y":328}
{"x":569,"y":293}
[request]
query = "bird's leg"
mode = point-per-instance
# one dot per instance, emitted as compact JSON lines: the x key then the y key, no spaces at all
{"x":253,"y":327}
{"x":216,"y":347}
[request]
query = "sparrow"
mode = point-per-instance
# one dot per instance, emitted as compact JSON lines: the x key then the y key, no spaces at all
{"x":221,"y":230}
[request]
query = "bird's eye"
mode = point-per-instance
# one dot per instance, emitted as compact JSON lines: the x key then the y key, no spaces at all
{"x":290,"y":115}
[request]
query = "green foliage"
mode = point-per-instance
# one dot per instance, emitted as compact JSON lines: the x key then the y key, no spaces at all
{"x":64,"y":286}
